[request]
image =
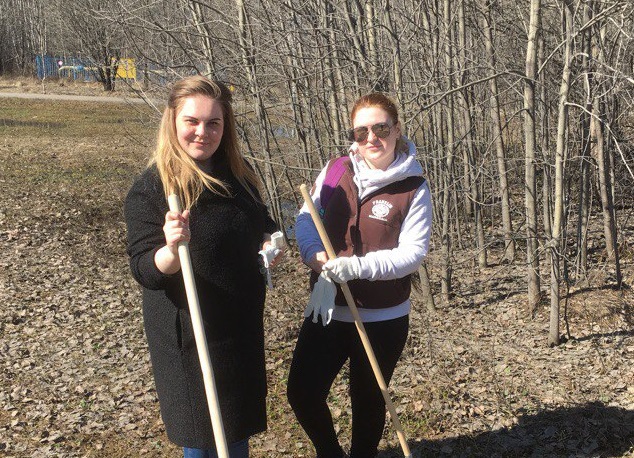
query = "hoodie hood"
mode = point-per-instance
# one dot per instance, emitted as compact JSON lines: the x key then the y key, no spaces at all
{"x":370,"y":180}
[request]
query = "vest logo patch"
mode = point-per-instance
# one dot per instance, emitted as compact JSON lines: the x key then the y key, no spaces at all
{"x":380,"y":209}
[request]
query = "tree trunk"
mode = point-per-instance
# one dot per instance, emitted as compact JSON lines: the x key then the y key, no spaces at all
{"x":205,"y":37}
{"x":583,"y":206}
{"x":500,"y":153}
{"x":373,"y":52}
{"x":448,"y":172}
{"x":605,"y":185}
{"x":604,"y":164}
{"x":530,"y":142}
{"x":396,"y":66}
{"x":425,"y":294}
{"x":555,"y":245}
{"x":333,"y":91}
{"x":473,"y":196}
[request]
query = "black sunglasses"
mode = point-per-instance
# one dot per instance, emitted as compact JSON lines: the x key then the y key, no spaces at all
{"x":360,"y":134}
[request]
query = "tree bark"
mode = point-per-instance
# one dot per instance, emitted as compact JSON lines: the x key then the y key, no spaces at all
{"x":447,"y":268}
{"x":498,"y":141}
{"x":555,"y":245}
{"x":530,"y":141}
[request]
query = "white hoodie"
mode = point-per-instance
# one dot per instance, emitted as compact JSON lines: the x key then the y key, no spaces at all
{"x":413,"y":241}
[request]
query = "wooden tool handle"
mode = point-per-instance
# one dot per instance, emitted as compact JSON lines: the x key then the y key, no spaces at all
{"x":201,"y":339}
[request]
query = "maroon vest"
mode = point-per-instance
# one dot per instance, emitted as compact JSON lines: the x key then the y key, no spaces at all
{"x":359,"y":227}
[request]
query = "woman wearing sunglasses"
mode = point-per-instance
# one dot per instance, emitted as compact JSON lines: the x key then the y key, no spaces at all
{"x":376,"y":208}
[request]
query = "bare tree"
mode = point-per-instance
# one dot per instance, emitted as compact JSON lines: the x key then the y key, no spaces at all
{"x":206,"y":37}
{"x":95,"y":35}
{"x":598,"y":122}
{"x":452,"y":66}
{"x":530,"y":141}
{"x":555,"y":246}
{"x":23,"y":34}
{"x":448,"y":181}
{"x":496,"y":124}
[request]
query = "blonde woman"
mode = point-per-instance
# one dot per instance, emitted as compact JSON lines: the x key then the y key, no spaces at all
{"x":226,"y":224}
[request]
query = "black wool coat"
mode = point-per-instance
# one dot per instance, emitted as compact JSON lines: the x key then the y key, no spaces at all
{"x":226,"y":235}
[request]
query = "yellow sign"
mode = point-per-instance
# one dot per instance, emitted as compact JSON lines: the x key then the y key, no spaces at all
{"x":125,"y":68}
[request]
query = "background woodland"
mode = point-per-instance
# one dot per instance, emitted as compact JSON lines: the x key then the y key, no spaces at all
{"x":521,"y":111}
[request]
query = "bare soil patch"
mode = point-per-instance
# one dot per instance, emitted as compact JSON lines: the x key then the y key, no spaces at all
{"x":477,"y":379}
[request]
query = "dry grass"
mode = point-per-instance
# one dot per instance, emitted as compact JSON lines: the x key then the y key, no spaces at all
{"x":476,"y":379}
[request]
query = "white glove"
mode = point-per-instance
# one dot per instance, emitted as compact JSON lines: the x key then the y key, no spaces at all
{"x":277,"y":240}
{"x":322,"y":300}
{"x":343,"y":269}
{"x":270,"y":253}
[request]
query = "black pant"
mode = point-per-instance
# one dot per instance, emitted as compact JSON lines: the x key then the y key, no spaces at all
{"x":319,"y":355}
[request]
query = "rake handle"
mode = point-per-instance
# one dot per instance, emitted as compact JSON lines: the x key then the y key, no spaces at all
{"x":201,"y":340}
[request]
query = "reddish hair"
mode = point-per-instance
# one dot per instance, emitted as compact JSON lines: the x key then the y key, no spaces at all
{"x":382,"y":101}
{"x":375,"y":99}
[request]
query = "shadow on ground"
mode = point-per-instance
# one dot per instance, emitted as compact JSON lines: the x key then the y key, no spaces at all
{"x":591,"y":430}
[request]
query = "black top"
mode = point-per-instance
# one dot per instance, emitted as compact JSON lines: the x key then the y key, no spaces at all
{"x":226,"y":235}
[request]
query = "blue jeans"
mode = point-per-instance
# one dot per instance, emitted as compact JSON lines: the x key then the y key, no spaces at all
{"x":236,"y":450}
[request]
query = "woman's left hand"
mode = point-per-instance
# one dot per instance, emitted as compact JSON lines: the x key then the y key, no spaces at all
{"x":278,"y":257}
{"x":274,"y":243}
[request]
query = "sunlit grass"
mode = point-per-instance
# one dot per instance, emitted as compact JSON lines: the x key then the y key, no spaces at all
{"x":25,"y":118}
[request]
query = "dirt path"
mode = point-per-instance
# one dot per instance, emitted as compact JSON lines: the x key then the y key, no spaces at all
{"x":76,"y":98}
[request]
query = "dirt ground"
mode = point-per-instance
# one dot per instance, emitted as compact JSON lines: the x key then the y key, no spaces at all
{"x":477,"y":378}
{"x":63,"y":86}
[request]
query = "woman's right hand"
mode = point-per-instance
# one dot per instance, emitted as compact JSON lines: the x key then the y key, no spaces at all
{"x":318,"y":261}
{"x":176,"y":229}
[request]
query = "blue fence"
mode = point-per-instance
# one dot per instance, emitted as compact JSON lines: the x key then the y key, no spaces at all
{"x":66,"y":67}
{"x":87,"y":70}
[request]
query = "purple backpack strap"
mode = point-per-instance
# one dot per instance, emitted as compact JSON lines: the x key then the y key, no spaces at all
{"x":334,"y":173}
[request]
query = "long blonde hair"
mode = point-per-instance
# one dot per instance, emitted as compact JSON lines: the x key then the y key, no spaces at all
{"x":178,"y":171}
